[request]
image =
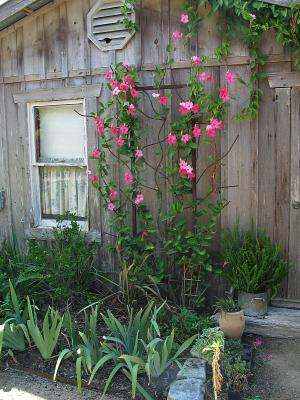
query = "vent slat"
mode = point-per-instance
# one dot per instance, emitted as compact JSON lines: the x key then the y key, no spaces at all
{"x":106,"y":21}
{"x":109,"y":5}
{"x":111,"y":35}
{"x":108,"y":13}
{"x":103,"y":29}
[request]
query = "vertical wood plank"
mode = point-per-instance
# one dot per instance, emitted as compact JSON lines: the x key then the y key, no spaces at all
{"x":5,"y":214}
{"x":294,"y":228}
{"x":282,"y":171}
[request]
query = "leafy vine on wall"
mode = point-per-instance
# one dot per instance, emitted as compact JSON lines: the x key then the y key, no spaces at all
{"x":248,"y":20}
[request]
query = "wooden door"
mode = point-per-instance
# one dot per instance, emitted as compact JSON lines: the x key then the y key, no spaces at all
{"x":287,"y":190}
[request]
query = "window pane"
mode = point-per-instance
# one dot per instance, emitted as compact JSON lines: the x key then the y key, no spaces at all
{"x":63,"y":189}
{"x":59,"y":133}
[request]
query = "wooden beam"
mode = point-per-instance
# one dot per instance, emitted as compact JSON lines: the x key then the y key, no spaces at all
{"x":284,"y":80}
{"x":12,"y":7}
{"x":283,"y":3}
{"x":68,"y":93}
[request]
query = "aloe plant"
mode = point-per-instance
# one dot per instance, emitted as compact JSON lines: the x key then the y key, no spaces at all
{"x":47,"y":338}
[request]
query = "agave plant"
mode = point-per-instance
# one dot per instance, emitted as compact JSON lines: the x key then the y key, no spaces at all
{"x":45,"y":340}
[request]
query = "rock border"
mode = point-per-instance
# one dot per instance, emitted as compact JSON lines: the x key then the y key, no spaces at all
{"x":190,"y":381}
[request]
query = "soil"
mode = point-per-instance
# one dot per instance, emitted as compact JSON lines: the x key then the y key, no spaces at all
{"x":277,"y":371}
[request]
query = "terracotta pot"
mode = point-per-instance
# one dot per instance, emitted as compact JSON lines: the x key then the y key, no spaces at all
{"x":253,"y":304}
{"x":232,"y":324}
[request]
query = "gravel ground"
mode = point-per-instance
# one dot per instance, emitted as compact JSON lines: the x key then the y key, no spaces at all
{"x":277,"y":371}
{"x":16,"y":385}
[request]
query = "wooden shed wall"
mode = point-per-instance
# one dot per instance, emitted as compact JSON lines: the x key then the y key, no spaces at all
{"x":50,"y":49}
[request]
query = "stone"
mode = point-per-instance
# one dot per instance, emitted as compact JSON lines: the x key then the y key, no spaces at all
{"x":187,"y":389}
{"x":193,"y":368}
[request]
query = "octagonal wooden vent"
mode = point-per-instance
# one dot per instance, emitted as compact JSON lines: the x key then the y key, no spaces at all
{"x":105,"y":27}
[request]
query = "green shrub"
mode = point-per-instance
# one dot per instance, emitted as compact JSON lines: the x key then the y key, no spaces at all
{"x":57,"y":272}
{"x":252,"y":262}
{"x":227,"y":305}
{"x":185,"y":323}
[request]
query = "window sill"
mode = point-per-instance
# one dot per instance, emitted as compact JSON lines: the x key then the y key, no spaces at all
{"x":42,"y":233}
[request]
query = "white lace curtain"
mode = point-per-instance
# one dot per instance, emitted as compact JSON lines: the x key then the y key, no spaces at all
{"x":60,"y":138}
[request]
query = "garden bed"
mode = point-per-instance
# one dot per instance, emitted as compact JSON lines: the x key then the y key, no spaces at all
{"x":32,"y":363}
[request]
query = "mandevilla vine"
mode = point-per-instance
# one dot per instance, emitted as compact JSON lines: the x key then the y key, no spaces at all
{"x":147,"y":243}
{"x":247,"y":20}
{"x":146,"y":246}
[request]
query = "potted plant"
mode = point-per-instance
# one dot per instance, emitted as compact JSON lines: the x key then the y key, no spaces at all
{"x":254,"y":267}
{"x":231,"y":318}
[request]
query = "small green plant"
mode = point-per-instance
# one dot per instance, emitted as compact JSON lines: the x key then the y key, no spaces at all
{"x":205,"y":340}
{"x":45,"y":340}
{"x":210,"y":346}
{"x":227,"y":305}
{"x":236,"y":369}
{"x":84,"y":347}
{"x":185,"y":322}
{"x":252,"y":262}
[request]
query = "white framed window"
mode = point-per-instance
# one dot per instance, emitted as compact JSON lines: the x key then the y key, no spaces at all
{"x":58,"y":158}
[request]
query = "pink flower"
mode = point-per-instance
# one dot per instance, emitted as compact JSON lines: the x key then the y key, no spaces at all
{"x":230,"y":77}
{"x":119,"y":141}
{"x":128,"y":79}
{"x":114,"y":130}
{"x":171,"y":138}
{"x":128,"y":177}
{"x":197,"y":61}
{"x":139,"y":199}
{"x":216,"y":124}
{"x":163,"y":100}
{"x":202,"y":76}
{"x":124,"y":129}
{"x":139,"y":153}
{"x":94,"y":178}
{"x":116,"y":91}
{"x":258,"y":342}
{"x":186,"y":169}
{"x":185,"y":138}
{"x":110,"y":206}
{"x":108,"y":75}
{"x":131,"y":109}
{"x":224,"y":94}
{"x":195,"y":108}
{"x":134,"y":93}
{"x":185,"y":107}
{"x":269,"y":357}
{"x":100,"y":125}
{"x":96,"y":153}
{"x":145,"y":234}
{"x":196,"y":131}
{"x":126,"y":66}
{"x":155,"y":95}
{"x":210,"y":131}
{"x":209,"y":78}
{"x":177,"y":35}
{"x":114,"y":84}
{"x":184,"y":18}
{"x":113,"y":195}
{"x":124,"y":87}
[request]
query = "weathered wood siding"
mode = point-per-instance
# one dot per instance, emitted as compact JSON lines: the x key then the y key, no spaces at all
{"x":50,"y":49}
